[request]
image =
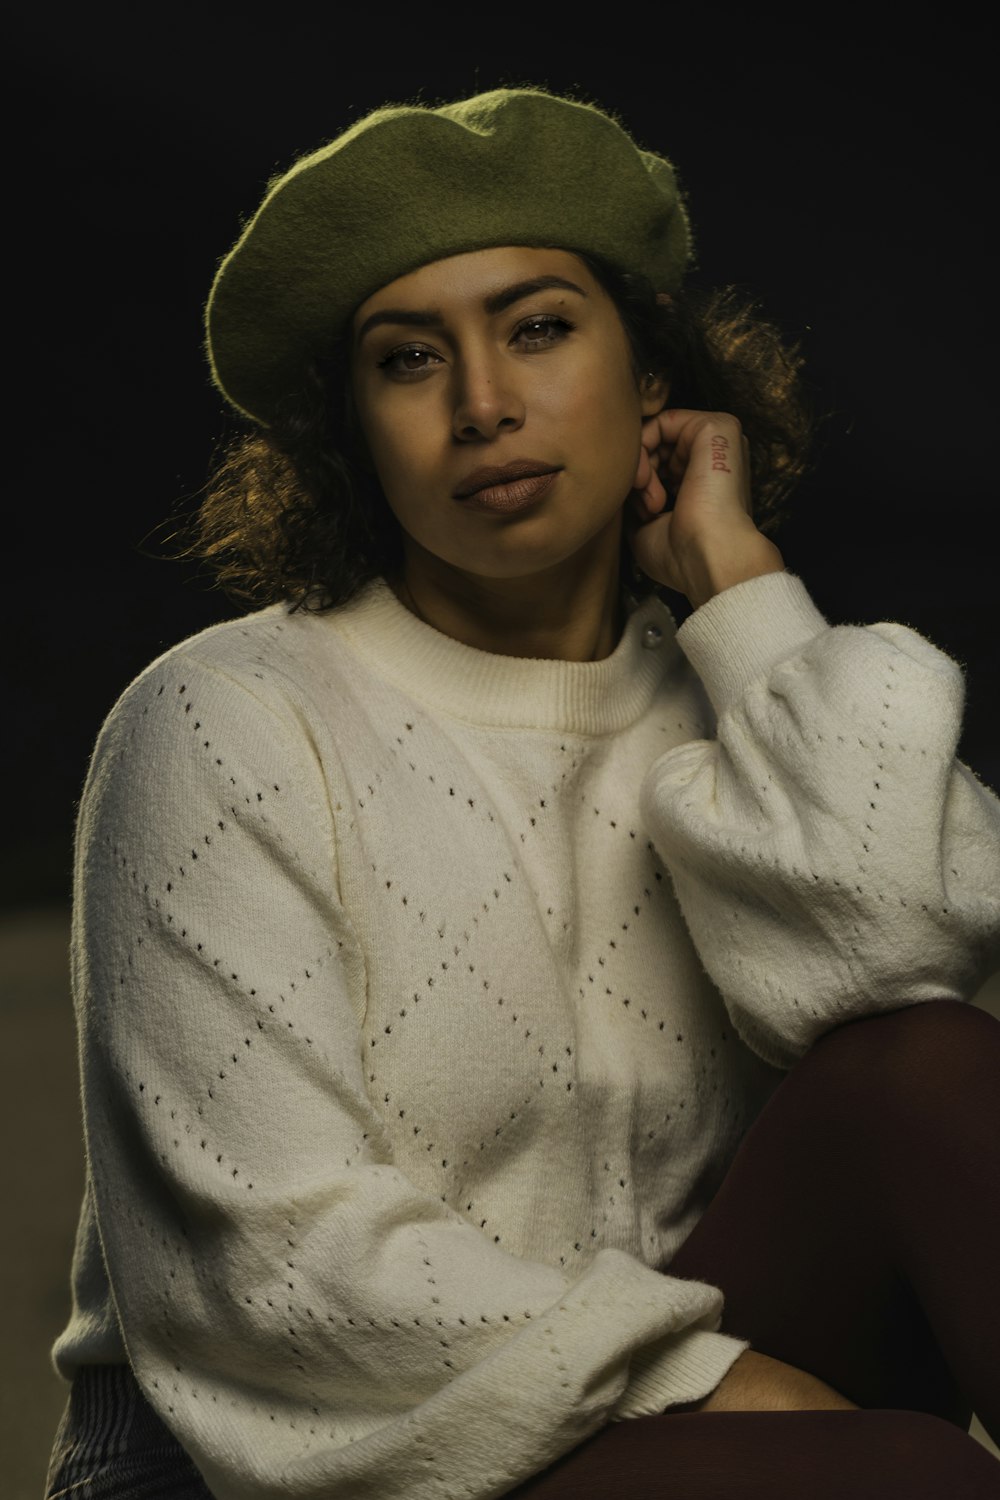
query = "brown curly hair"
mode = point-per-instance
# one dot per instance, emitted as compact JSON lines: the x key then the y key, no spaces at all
{"x":294,"y":512}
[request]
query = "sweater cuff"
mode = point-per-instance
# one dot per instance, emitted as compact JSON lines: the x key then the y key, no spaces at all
{"x":737,"y":637}
{"x":679,"y":1368}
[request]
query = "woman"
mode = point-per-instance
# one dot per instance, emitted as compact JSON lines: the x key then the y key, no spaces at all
{"x":445,"y":925}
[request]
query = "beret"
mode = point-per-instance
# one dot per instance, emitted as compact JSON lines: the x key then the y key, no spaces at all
{"x":408,"y":184}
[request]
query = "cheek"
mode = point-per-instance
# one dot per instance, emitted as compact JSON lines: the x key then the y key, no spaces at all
{"x":395,"y":449}
{"x":608,"y":419}
{"x":406,"y":459}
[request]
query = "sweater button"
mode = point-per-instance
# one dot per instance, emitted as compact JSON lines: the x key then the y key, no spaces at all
{"x":652,"y":637}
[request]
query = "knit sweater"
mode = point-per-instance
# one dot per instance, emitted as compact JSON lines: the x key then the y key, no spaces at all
{"x":424,"y":995}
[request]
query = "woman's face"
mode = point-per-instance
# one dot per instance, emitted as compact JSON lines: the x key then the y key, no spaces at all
{"x":475,"y":366}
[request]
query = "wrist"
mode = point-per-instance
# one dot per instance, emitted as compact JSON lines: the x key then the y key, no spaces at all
{"x":712,"y":572}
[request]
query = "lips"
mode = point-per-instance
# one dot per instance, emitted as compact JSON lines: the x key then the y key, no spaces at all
{"x":497,"y":477}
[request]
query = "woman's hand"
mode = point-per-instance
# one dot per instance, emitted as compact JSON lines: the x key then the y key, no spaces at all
{"x":706,"y":541}
{"x":756,"y":1382}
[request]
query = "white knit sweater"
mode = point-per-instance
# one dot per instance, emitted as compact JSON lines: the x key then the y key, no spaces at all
{"x":424,"y":995}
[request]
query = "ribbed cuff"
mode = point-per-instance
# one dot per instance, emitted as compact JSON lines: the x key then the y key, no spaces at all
{"x":680,"y":1368}
{"x":737,"y":637}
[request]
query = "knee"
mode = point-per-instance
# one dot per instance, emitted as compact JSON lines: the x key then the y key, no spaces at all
{"x":913,"y":1064}
{"x":934,"y":1043}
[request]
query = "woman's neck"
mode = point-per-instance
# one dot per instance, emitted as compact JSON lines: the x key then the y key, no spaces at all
{"x":572,"y":612}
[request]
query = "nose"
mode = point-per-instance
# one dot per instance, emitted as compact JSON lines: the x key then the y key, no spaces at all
{"x":487,"y":399}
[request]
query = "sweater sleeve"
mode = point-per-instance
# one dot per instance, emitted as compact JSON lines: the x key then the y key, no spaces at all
{"x":303,"y":1318}
{"x":831,"y":856}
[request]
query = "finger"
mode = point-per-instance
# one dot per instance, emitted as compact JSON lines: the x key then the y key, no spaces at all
{"x":654,"y":494}
{"x":711,"y":445}
{"x":648,"y":484}
{"x":650,"y":545}
{"x":652,"y":441}
{"x":652,"y":433}
{"x":682,"y":426}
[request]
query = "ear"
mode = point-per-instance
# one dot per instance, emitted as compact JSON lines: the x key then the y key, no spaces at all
{"x":654,"y":391}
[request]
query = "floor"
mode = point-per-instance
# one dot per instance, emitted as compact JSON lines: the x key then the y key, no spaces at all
{"x":42,"y":1183}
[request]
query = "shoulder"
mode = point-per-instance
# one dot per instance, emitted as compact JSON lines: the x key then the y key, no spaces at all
{"x":272,"y":641}
{"x":269,"y":662}
{"x":267,"y":689}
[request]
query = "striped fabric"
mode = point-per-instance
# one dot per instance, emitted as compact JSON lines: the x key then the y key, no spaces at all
{"x":111,"y":1445}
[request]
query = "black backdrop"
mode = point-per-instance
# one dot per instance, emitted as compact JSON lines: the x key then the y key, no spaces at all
{"x":838,"y":167}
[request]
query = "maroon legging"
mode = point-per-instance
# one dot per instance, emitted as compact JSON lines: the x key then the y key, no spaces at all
{"x":856,"y":1236}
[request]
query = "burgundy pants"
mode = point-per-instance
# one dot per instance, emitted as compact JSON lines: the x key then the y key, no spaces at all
{"x":856,"y":1236}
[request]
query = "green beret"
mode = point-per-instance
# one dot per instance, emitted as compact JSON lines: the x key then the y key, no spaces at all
{"x":409,"y":184}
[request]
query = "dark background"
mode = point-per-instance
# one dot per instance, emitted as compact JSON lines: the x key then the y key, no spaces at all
{"x":837,"y":167}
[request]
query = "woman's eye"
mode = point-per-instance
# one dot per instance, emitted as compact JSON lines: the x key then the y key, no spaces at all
{"x":544,"y":331}
{"x":409,"y":359}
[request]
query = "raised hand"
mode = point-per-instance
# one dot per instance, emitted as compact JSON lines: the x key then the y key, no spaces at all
{"x":705,"y":540}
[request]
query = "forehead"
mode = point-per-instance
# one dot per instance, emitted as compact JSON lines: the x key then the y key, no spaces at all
{"x":475,"y":276}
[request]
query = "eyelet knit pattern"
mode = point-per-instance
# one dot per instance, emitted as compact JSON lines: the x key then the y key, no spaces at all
{"x":425,"y":994}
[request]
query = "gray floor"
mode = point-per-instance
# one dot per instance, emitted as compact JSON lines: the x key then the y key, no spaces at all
{"x":42,"y":1183}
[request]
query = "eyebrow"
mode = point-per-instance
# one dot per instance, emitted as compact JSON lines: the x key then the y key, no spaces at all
{"x":498,"y":302}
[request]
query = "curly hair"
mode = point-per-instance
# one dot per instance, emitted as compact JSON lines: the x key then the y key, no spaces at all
{"x":294,"y":512}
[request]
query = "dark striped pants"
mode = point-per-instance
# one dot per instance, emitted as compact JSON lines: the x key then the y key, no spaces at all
{"x":111,"y":1445}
